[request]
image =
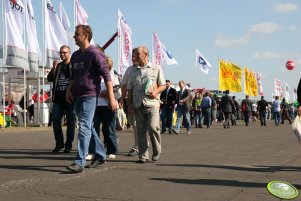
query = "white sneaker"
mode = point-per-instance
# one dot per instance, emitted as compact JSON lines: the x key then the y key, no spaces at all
{"x":111,"y":156}
{"x":89,"y":157}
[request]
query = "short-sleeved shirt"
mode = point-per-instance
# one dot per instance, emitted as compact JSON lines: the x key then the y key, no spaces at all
{"x":140,"y":80}
{"x":127,"y":74}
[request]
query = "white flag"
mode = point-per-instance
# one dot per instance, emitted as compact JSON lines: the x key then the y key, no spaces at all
{"x":286,"y":93}
{"x":202,"y":62}
{"x":81,"y":15}
{"x":63,"y":16}
{"x":259,"y":83}
{"x":55,"y":34}
{"x":14,"y":40}
{"x":160,"y":53}
{"x":277,"y":87}
{"x":34,"y":53}
{"x":125,"y":43}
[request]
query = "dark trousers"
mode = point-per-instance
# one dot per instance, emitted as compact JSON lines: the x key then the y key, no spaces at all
{"x":262,"y":116}
{"x":58,"y":110}
{"x":166,"y":117}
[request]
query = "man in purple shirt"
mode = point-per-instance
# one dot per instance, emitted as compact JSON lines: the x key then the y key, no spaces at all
{"x":88,"y":64}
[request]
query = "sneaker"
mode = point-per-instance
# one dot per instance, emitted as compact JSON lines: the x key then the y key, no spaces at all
{"x":188,"y":132}
{"x":156,"y":157}
{"x":75,"y":168}
{"x":133,"y":152}
{"x":89,"y":157}
{"x":175,"y":132}
{"x":111,"y":156}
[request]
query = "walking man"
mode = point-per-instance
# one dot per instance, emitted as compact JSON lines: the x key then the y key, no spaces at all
{"x":228,"y":108}
{"x":60,"y":75}
{"x":88,"y":64}
{"x":144,"y":88}
{"x":262,"y":109}
{"x":168,"y":98}
{"x":183,"y":108}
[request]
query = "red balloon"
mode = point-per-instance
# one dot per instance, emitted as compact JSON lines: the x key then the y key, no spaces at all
{"x":290,"y":65}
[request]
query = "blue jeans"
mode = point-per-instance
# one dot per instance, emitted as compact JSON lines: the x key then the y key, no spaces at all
{"x":58,"y":110}
{"x":277,"y":118}
{"x":198,"y":118}
{"x":108,"y":119}
{"x":166,"y":117}
{"x":85,"y":108}
{"x":183,"y":111}
{"x":206,"y":113}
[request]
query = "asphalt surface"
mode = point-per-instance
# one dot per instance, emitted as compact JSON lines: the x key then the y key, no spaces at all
{"x":213,"y":164}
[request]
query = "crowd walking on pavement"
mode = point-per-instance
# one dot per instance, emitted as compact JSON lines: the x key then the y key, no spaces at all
{"x":88,"y":92}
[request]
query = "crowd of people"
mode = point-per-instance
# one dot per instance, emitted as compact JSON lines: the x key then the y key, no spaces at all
{"x":88,"y":93}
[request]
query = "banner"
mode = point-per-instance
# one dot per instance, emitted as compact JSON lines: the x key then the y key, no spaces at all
{"x":55,"y":34}
{"x":14,"y":32}
{"x":34,"y":54}
{"x":125,"y":43}
{"x":201,"y":62}
{"x":63,"y":16}
{"x":286,"y":93}
{"x":229,"y":77}
{"x":277,"y":88}
{"x":259,"y":83}
{"x":160,"y":53}
{"x":295,"y":94}
{"x":250,"y":83}
{"x":81,"y":15}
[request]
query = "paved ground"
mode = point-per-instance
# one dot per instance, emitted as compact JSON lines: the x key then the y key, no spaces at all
{"x":214,"y":164}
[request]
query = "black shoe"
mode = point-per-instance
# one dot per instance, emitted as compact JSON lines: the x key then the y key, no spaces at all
{"x":75,"y":168}
{"x":67,"y":150}
{"x":57,"y":149}
{"x":142,"y":160}
{"x":95,"y":163}
{"x":163,"y":131}
{"x":224,"y":126}
{"x":169,"y":132}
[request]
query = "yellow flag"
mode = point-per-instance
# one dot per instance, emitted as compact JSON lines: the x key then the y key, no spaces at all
{"x":250,"y":84}
{"x":229,"y":77}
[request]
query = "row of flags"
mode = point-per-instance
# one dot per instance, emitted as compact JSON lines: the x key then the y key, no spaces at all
{"x":24,"y":52}
{"x":230,"y":78}
{"x":21,"y":41}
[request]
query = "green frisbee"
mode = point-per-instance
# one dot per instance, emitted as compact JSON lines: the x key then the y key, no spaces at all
{"x":282,"y":190}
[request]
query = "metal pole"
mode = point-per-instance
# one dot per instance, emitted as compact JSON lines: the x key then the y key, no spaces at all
{"x":4,"y":57}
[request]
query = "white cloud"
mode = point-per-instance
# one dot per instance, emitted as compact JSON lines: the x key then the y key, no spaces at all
{"x":293,"y":28}
{"x":269,"y":55}
{"x":261,"y":28}
{"x":265,"y":28}
{"x":285,"y":8}
{"x":225,"y":41}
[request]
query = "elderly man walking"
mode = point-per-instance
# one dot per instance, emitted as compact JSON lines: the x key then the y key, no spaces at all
{"x":144,"y":87}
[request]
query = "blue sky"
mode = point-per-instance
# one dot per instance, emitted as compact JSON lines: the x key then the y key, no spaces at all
{"x":259,"y":34}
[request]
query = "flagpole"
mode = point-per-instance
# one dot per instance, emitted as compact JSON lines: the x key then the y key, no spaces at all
{"x":118,"y":45}
{"x":24,"y":72}
{"x":74,"y":21}
{"x":3,"y":59}
{"x":43,"y":64}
